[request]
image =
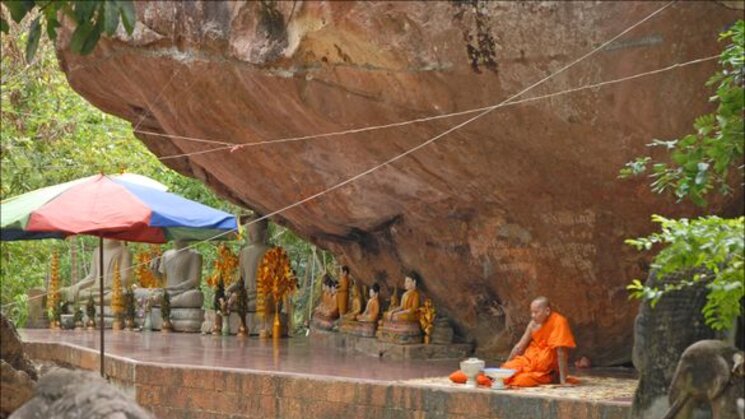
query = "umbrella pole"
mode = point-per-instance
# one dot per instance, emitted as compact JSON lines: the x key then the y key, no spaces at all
{"x":100,"y":294}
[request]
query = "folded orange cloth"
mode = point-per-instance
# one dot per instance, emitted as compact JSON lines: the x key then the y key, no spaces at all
{"x":459,"y":377}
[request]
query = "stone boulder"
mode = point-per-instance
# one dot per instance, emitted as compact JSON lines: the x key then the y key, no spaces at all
{"x":76,"y":394}
{"x":17,"y":373}
{"x":524,"y":201}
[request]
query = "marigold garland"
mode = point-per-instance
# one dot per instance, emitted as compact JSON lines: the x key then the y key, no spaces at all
{"x":275,"y":278}
{"x":53,"y":297}
{"x":145,"y":277}
{"x":117,"y":299}
{"x":225,"y":266}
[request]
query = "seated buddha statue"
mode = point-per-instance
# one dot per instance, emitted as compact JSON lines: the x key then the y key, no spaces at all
{"x":182,"y":268}
{"x":327,"y":311}
{"x":342,"y":291}
{"x":115,"y":252}
{"x":372,"y":309}
{"x":407,"y":310}
{"x":400,"y":324}
{"x":356,"y":307}
{"x":362,"y":324}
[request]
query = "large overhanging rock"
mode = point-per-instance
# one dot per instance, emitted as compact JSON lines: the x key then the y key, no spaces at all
{"x":524,"y":201}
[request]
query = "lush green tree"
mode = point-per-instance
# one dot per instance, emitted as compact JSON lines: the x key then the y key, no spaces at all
{"x":91,"y":19}
{"x":709,"y":248}
{"x":51,"y":135}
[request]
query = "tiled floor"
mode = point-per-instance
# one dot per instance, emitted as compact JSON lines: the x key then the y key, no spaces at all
{"x":299,"y":356}
{"x":294,"y":355}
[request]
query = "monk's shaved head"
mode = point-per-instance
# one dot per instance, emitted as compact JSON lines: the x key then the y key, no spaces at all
{"x":541,"y":301}
{"x":540,"y":310}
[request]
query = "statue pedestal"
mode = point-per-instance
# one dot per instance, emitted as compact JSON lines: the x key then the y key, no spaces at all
{"x":363,"y":329}
{"x":321,"y":322}
{"x":377,"y":349}
{"x":183,"y":319}
{"x":253,"y":322}
{"x":401,"y":333}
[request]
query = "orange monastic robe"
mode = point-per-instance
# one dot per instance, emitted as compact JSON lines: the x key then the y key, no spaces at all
{"x":539,"y":362}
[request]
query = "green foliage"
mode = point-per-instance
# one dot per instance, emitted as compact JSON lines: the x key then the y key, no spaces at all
{"x":91,"y":19}
{"x":708,"y":249}
{"x":701,"y":161}
{"x":51,"y":135}
{"x":711,"y":249}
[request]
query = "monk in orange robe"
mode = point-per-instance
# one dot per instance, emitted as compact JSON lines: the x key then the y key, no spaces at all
{"x":542,"y":351}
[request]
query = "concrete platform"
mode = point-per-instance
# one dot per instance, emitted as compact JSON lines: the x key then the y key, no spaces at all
{"x":193,"y":376}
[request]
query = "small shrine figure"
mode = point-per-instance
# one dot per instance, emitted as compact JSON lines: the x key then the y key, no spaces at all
{"x":342,"y":291}
{"x":78,"y":318}
{"x":219,"y":295}
{"x":427,"y":316}
{"x":241,"y":304}
{"x":225,"y":314}
{"x":90,"y":311}
{"x":165,"y":312}
{"x":130,"y":311}
{"x":146,"y":309}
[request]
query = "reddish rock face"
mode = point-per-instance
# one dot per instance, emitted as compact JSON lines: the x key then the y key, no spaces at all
{"x":524,"y":201}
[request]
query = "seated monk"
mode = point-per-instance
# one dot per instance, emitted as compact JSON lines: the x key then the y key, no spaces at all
{"x":407,"y":311}
{"x":356,"y":307}
{"x":542,"y":351}
{"x":372,"y":309}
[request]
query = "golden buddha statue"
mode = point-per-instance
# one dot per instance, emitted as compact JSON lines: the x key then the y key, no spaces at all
{"x":372,"y":309}
{"x":327,"y":310}
{"x":400,"y":324}
{"x":356,"y":307}
{"x":342,"y":291}
{"x":407,"y":311}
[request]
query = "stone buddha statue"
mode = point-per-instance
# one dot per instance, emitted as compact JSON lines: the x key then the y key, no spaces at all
{"x":407,"y":311}
{"x":372,"y":309}
{"x":249,"y":259}
{"x":342,"y":291}
{"x":400,"y":324}
{"x":182,"y":268}
{"x":113,"y":251}
{"x":356,"y":307}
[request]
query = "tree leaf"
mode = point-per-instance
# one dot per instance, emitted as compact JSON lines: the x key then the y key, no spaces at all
{"x":34,"y":33}
{"x":19,"y":9}
{"x":111,"y":17}
{"x":129,"y":17}
{"x":79,"y":37}
{"x":4,"y":28}
{"x":84,"y":10}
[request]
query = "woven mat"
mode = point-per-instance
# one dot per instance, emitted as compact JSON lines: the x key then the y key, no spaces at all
{"x":589,"y":388}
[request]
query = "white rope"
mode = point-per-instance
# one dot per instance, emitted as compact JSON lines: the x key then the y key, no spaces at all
{"x":424,"y":144}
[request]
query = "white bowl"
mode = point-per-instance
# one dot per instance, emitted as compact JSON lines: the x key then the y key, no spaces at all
{"x":498,"y":375}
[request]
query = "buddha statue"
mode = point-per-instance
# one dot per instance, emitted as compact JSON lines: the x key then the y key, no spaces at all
{"x":356,"y":307}
{"x":372,"y":309}
{"x":363,"y":324}
{"x":400,"y":324}
{"x":327,"y":311}
{"x":113,"y":251}
{"x":182,"y":269}
{"x":407,"y":311}
{"x":249,"y":259}
{"x":342,"y":291}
